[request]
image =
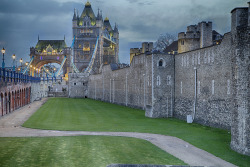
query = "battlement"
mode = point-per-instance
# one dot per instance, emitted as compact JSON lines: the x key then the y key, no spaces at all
{"x":193,"y":28}
{"x":240,"y":17}
{"x":189,"y":35}
{"x":196,"y":36}
{"x":147,"y":47}
{"x":204,"y":23}
{"x":135,"y":50}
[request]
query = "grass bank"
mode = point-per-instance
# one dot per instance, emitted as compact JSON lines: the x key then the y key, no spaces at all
{"x":87,"y":151}
{"x":91,"y":115}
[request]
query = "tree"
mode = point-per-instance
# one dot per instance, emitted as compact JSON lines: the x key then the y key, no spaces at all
{"x":163,"y":41}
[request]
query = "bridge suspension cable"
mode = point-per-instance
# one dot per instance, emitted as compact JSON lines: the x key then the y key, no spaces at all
{"x":91,"y":63}
{"x":28,"y":66}
{"x":72,"y":62}
{"x":60,"y":68}
{"x":47,"y":71}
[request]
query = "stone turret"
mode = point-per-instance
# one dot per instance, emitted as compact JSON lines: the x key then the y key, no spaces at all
{"x":147,"y":47}
{"x":240,"y":136}
{"x":205,"y":34}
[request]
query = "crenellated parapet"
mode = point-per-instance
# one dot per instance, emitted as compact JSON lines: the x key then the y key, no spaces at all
{"x":196,"y":36}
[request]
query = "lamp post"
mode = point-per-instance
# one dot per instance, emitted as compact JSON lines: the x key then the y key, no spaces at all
{"x":14,"y":57}
{"x":54,"y":72}
{"x":3,"y":64}
{"x":21,"y":61}
{"x":34,"y":71}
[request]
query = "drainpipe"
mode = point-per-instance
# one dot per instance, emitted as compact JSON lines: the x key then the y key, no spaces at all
{"x":195,"y":91}
{"x":126,"y":90}
{"x":144,"y":99}
{"x":102,"y":87}
{"x":95,"y":90}
{"x":110,"y":91}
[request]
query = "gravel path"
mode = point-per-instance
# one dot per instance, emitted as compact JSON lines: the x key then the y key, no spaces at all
{"x":10,"y":126}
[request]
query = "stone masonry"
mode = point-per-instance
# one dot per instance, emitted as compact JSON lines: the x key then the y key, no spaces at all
{"x":209,"y":81}
{"x":240,"y":139}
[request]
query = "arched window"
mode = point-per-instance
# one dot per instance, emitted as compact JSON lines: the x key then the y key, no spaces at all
{"x":160,"y":63}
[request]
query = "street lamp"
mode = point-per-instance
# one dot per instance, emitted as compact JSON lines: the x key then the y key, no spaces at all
{"x":21,"y":61}
{"x":14,"y":57}
{"x":3,"y":64}
{"x":34,"y":71}
{"x":54,"y":72}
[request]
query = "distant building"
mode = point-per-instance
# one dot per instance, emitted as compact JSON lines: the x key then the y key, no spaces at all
{"x":198,"y":36}
{"x":49,"y":51}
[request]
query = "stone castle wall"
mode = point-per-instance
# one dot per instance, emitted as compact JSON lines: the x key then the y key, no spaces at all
{"x":162,"y":86}
{"x":77,"y":85}
{"x":212,"y":100}
{"x":129,"y":86}
{"x":210,"y":83}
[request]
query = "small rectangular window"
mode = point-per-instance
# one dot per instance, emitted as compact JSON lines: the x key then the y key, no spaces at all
{"x":74,"y":83}
{"x":169,"y":80}
{"x":228,"y":86}
{"x":212,"y":86}
{"x":181,"y":87}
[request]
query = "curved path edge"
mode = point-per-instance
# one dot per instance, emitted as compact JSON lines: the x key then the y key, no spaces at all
{"x":10,"y":126}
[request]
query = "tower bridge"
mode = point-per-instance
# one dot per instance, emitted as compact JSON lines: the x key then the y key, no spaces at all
{"x":50,"y":51}
{"x":95,"y":43}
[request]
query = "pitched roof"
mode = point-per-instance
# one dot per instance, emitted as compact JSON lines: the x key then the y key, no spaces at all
{"x":56,"y":44}
{"x":107,"y":24}
{"x":88,"y":11}
{"x":172,"y":47}
{"x":114,"y":66}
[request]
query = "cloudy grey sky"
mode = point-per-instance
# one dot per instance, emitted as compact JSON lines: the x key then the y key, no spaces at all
{"x":139,"y":20}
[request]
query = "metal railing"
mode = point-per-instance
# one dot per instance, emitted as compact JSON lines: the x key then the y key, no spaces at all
{"x":16,"y":77}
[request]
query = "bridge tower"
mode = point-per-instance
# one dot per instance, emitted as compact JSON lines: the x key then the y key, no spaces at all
{"x":87,"y":29}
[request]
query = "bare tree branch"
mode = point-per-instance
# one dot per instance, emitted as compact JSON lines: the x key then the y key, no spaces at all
{"x":163,"y":41}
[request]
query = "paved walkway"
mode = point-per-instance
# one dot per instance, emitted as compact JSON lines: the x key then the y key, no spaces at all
{"x":10,"y":126}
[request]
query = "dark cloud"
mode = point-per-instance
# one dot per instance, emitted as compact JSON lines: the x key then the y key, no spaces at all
{"x":138,"y":20}
{"x":140,"y":2}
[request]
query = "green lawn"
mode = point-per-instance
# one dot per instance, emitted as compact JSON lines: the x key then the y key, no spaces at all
{"x":86,"y":151}
{"x":91,"y":115}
